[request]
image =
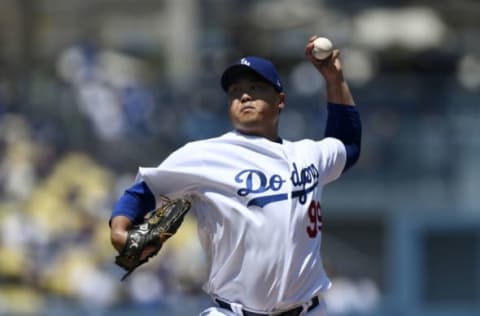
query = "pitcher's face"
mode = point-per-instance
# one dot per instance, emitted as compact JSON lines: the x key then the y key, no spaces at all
{"x":255,"y":105}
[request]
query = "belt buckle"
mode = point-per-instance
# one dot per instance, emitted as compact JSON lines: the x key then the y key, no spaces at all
{"x":305,"y":308}
{"x":237,"y":308}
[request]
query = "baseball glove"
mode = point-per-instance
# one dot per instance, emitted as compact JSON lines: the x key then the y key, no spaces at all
{"x":158,"y":226}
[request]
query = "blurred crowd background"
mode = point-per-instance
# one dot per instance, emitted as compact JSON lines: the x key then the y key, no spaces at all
{"x":92,"y":89}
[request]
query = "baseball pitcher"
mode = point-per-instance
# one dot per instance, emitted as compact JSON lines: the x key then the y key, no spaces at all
{"x":256,"y":196}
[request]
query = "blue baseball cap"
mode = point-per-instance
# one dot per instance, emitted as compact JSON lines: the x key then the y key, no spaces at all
{"x":258,"y":65}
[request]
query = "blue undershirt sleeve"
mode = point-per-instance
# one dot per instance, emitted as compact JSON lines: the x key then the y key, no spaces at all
{"x":135,"y":203}
{"x":343,"y":123}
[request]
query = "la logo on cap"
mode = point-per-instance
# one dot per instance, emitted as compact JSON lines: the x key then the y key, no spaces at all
{"x":244,"y":61}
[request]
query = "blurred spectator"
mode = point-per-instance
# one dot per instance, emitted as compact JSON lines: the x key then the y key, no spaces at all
{"x":17,"y":165}
{"x":349,"y":296}
{"x":109,"y":88}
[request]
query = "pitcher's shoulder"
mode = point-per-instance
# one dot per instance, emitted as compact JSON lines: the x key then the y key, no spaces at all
{"x":315,"y":145}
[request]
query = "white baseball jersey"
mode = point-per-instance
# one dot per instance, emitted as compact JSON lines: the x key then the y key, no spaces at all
{"x":259,"y":215}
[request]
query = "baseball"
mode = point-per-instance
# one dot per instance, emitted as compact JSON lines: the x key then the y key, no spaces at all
{"x":322,"y":48}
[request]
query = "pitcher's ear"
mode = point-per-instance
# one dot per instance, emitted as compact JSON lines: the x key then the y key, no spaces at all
{"x":281,"y":101}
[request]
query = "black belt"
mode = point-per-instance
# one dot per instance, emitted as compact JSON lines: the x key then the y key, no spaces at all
{"x":292,"y":312}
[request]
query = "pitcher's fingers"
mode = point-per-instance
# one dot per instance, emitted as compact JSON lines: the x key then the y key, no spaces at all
{"x":312,"y":38}
{"x":308,"y":49}
{"x":335,"y":54}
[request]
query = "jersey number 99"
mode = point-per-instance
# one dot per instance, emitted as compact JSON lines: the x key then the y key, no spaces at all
{"x":315,"y":219}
